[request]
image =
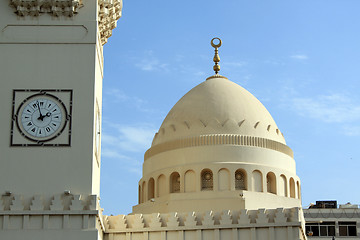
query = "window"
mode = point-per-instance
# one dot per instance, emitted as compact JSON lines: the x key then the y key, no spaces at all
{"x":323,"y":229}
{"x":206,"y":179}
{"x":347,"y":229}
{"x":240,"y":183}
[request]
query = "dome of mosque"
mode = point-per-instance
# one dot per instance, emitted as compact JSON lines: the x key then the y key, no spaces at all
{"x":218,"y":106}
{"x":218,"y":146}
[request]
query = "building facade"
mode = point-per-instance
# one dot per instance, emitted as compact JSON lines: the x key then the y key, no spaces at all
{"x":327,"y":219}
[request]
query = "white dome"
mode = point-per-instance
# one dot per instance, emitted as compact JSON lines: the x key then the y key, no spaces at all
{"x":218,"y":106}
{"x":219,"y":129}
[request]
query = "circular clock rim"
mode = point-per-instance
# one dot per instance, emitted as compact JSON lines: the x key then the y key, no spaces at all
{"x":39,"y":141}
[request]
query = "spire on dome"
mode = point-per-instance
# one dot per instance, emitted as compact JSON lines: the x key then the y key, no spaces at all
{"x":216,"y":58}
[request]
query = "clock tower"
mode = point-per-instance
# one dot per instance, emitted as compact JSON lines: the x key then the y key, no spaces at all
{"x":51,"y":65}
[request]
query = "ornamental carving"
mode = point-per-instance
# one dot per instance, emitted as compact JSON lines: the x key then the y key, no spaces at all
{"x":109,"y":13}
{"x":52,"y":7}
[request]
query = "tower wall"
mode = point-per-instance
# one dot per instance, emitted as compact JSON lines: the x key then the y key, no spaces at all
{"x":51,"y":54}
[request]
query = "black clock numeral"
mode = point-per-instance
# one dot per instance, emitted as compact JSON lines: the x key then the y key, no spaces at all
{"x":48,"y":129}
{"x":27,"y":117}
{"x":41,"y":103}
{"x":54,"y":110}
{"x":54,"y":124}
{"x":49,"y":105}
{"x":28,"y":110}
{"x":56,"y":117}
{"x":39,"y":131}
{"x":33,"y":130}
{"x":29,"y":124}
{"x":34,"y":105}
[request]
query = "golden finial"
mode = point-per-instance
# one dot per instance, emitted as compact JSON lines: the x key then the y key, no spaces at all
{"x":216,"y":58}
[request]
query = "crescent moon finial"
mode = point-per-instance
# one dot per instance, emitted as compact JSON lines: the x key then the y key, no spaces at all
{"x":216,"y":45}
{"x":216,"y":56}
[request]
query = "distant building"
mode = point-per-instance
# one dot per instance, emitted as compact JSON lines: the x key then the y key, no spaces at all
{"x":326,"y":219}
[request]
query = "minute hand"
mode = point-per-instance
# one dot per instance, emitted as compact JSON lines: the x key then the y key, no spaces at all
{"x":41,"y":117}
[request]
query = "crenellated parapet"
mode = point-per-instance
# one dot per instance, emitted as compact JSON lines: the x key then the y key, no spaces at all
{"x":63,"y":211}
{"x":224,"y":219}
{"x":60,"y":202}
{"x":282,"y":223}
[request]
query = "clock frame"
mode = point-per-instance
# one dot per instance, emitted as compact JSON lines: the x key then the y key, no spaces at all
{"x":20,"y":136}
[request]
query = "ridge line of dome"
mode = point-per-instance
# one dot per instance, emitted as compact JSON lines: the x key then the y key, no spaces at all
{"x":219,"y":139}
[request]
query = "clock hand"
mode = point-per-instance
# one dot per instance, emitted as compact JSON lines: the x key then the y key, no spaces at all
{"x":41,"y":117}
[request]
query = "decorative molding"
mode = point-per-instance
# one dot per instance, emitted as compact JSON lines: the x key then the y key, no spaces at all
{"x":215,"y":126}
{"x":55,"y":8}
{"x":109,"y":13}
{"x":219,"y":139}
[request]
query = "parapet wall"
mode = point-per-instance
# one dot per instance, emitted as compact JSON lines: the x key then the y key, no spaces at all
{"x":75,"y":215}
{"x":259,"y":224}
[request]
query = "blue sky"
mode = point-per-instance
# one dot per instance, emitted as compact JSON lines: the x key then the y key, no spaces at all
{"x":301,"y":59}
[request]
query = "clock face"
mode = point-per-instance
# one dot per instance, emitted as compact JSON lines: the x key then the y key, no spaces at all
{"x":41,"y":117}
